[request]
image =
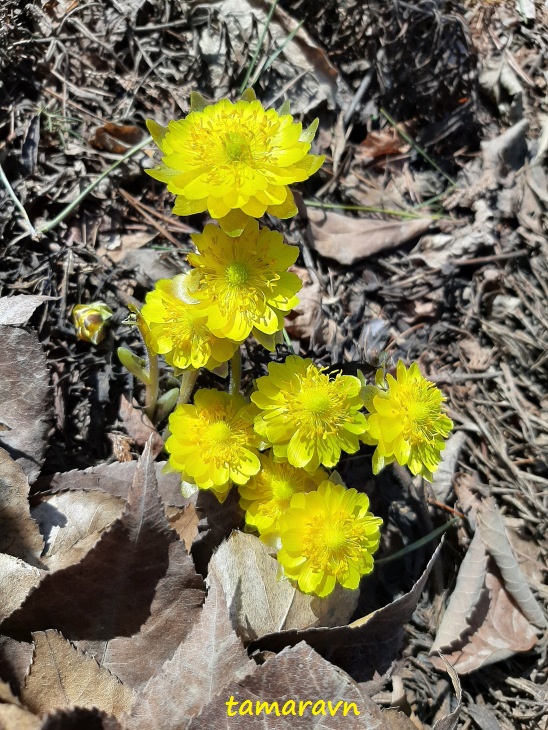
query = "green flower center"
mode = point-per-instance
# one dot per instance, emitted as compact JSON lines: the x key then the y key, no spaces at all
{"x":282,"y":490}
{"x":237,"y":148}
{"x":236,"y":274}
{"x":317,"y":400}
{"x":335,"y":538}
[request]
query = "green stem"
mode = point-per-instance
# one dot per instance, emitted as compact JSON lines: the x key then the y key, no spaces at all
{"x":18,"y":204}
{"x":235,"y":372}
{"x":243,"y":87}
{"x":71,"y":206}
{"x":419,"y":543}
{"x":188,"y":381}
{"x":151,"y":393}
{"x":370,"y":209}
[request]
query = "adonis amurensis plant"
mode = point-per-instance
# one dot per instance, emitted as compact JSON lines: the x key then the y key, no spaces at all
{"x":280,"y":445}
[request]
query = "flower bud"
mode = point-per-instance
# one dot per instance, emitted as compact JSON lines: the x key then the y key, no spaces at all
{"x":90,"y":320}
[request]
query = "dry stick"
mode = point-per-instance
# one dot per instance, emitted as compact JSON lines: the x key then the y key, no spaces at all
{"x":18,"y":204}
{"x":71,"y":206}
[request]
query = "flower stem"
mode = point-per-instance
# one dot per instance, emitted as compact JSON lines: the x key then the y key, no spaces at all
{"x":235,"y":372}
{"x":188,"y":381}
{"x":151,"y":393}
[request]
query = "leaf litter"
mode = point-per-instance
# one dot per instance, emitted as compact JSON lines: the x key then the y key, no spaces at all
{"x":468,"y":293}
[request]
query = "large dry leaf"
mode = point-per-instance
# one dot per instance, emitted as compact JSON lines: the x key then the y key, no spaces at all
{"x":174,"y":610}
{"x":20,"y":308}
{"x":17,"y":579}
{"x":19,"y":533}
{"x":496,"y":542}
{"x":115,"y":479}
{"x":25,"y":399}
{"x":210,"y":658}
{"x":260,"y":603}
{"x":449,"y":722}
{"x":498,"y":629}
{"x":185,"y":523}
{"x":109,"y":593}
{"x":72,"y":522}
{"x":482,"y":623}
{"x":295,"y":675}
{"x":62,"y":676}
{"x":348,"y":239}
{"x":456,"y":621}
{"x":356,"y":648}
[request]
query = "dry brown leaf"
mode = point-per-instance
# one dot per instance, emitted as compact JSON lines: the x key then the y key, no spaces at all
{"x":449,"y":722}
{"x":139,"y":426}
{"x":72,"y":522}
{"x":262,"y":604}
{"x":500,"y":630}
{"x":442,"y":484}
{"x":457,"y":619}
{"x":116,"y":479}
{"x":348,"y":239}
{"x":293,"y":676}
{"x":109,"y":593}
{"x":210,"y":658}
{"x":496,"y":542}
{"x":25,"y":399}
{"x":19,"y":533}
{"x":120,"y":246}
{"x":117,"y":138}
{"x":17,"y":579}
{"x":62,"y":676}
{"x":356,"y":648}
{"x":174,"y":610}
{"x":185,"y":523}
{"x":20,"y":308}
{"x":384,"y":142}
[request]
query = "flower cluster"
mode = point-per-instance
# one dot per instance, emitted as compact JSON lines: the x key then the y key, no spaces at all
{"x":237,"y":160}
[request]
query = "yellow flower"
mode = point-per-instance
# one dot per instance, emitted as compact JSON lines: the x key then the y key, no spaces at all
{"x":243,"y":282}
{"x":406,"y":422}
{"x":328,"y":537}
{"x":212,"y":442}
{"x":234,"y":159}
{"x":307,"y":417}
{"x":267,"y":495}
{"x":178,"y":327}
{"x":90,"y":321}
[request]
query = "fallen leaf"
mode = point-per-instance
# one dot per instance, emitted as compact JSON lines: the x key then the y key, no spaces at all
{"x":117,"y":138}
{"x":139,"y":426}
{"x":176,"y":606}
{"x":12,"y":715}
{"x":295,"y":675}
{"x":442,"y":249}
{"x":72,"y":522}
{"x":17,"y":579}
{"x":260,"y":603}
{"x":202,"y":666}
{"x":442,"y":484}
{"x":19,"y":533}
{"x":457,"y":619}
{"x":62,"y":676}
{"x":500,"y":83}
{"x":356,"y":648}
{"x":306,"y":320}
{"x":110,"y":591}
{"x":496,"y":542}
{"x":384,"y":142}
{"x":449,"y":722}
{"x":123,"y":244}
{"x":20,"y":308}
{"x":185,"y":523}
{"x":25,"y":399}
{"x":348,"y":239}
{"x":115,"y":479}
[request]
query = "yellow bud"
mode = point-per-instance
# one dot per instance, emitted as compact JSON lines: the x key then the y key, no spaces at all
{"x":90,"y":320}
